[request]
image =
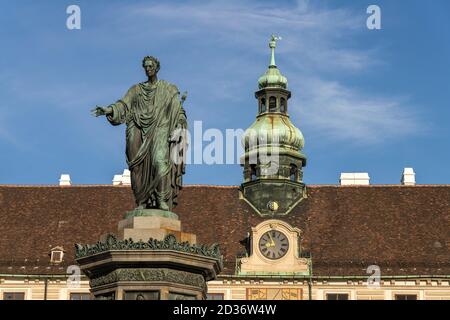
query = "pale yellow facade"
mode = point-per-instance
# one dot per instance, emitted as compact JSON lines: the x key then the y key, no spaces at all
{"x":34,"y":288}
{"x":424,"y":290}
{"x":243,"y":289}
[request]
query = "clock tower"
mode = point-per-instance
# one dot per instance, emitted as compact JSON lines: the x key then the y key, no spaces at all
{"x":274,"y":249}
{"x":273,"y":162}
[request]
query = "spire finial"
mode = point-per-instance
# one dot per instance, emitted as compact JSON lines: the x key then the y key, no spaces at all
{"x":272,"y":45}
{"x":273,"y":76}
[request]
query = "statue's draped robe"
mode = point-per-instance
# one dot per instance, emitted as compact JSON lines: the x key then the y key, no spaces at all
{"x":153,"y":113}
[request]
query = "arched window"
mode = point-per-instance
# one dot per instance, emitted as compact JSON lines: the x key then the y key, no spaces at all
{"x":252,"y":172}
{"x":272,"y":104}
{"x":263,"y":105}
{"x":283,"y":105}
{"x":294,"y":173}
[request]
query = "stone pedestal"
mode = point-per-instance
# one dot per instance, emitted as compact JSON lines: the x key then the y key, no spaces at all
{"x":152,"y":223}
{"x":151,"y":259}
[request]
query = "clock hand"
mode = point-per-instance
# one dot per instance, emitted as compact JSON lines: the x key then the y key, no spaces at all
{"x":272,"y":242}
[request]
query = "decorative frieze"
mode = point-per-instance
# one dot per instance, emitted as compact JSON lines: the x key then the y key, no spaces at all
{"x":168,"y":243}
{"x":150,"y":275}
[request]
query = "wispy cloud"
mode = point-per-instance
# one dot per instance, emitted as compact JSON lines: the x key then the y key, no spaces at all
{"x":226,"y":42}
{"x":310,"y":33}
{"x":53,"y":92}
{"x":6,"y":134}
{"x":316,"y":51}
{"x":340,"y":113}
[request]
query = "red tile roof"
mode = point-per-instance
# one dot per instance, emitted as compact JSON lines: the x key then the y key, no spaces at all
{"x":404,"y":230}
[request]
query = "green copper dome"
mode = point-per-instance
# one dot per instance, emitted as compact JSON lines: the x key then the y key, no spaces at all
{"x":273,"y":77}
{"x":273,"y":129}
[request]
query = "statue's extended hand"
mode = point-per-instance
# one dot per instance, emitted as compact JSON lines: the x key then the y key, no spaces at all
{"x":98,"y":111}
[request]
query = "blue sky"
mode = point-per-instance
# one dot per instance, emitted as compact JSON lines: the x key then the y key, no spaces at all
{"x":366,"y":100}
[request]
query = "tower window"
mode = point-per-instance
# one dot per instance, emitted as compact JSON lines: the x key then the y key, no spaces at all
{"x":293,"y":173}
{"x":252,"y":172}
{"x":272,"y":104}
{"x":283,"y":105}
{"x":263,"y":105}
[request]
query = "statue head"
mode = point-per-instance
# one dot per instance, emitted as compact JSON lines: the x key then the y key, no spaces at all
{"x":151,"y":65}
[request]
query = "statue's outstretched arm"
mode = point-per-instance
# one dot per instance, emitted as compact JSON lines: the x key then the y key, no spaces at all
{"x":116,"y":112}
{"x":101,"y":111}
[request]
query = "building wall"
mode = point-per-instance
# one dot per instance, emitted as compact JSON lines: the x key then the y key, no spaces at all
{"x":34,"y":289}
{"x":425,"y":290}
{"x":241,"y":289}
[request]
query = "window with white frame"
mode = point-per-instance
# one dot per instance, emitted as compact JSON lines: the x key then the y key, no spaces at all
{"x":56,"y":255}
{"x":80,"y":296}
{"x":13,"y":295}
{"x":337,"y":296}
{"x":215,"y":296}
{"x":406,"y":297}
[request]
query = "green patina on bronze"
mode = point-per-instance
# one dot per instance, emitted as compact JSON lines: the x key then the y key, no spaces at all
{"x":282,"y":142}
{"x":155,"y":138}
{"x":151,"y":213}
{"x":272,"y":77}
{"x":150,"y":274}
{"x":156,"y":144}
{"x":168,"y":243}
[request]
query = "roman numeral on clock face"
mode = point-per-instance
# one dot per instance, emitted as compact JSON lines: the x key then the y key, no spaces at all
{"x":273,"y":244}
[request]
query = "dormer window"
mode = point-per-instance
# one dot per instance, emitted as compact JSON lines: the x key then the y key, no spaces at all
{"x":56,"y":255}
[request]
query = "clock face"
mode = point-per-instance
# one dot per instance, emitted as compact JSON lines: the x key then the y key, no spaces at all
{"x":273,"y":244}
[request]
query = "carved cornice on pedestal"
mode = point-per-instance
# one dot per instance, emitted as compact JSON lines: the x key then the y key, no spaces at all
{"x":168,"y":243}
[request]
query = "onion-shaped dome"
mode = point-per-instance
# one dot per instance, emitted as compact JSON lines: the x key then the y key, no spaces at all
{"x":273,"y":129}
{"x":272,"y":79}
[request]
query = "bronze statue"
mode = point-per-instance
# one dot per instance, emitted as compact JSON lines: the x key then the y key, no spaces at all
{"x":155,"y":140}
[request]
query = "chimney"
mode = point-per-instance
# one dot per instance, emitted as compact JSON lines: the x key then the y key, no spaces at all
{"x":65,"y":180}
{"x":126,"y":177}
{"x":117,"y":180}
{"x":355,"y":179}
{"x":408,"y":177}
{"x":122,"y":179}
